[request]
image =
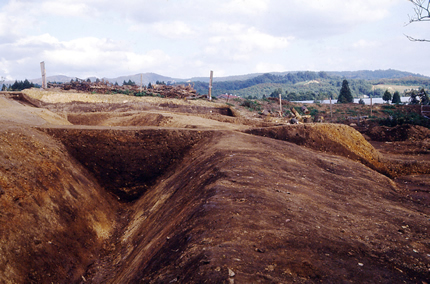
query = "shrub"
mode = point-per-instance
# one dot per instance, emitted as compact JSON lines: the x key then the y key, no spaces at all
{"x":251,"y":105}
{"x":399,"y":118}
{"x":313,"y":111}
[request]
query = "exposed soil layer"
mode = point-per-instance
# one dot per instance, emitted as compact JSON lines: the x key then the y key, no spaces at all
{"x":54,"y":216}
{"x":332,"y":138}
{"x":127,"y":162}
{"x":121,"y":198}
{"x":254,"y":209}
{"x":398,"y":133}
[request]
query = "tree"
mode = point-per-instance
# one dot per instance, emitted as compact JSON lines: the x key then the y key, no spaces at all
{"x":15,"y":86}
{"x":3,"y":88}
{"x":422,"y":14}
{"x":361,"y":102}
{"x":387,"y":96}
{"x":27,"y":84}
{"x":276,"y":93}
{"x":419,"y":98}
{"x":425,"y":100}
{"x":396,"y":98}
{"x":345,"y":95}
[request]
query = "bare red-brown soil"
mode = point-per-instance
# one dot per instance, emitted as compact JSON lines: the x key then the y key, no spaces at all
{"x":117,"y":189}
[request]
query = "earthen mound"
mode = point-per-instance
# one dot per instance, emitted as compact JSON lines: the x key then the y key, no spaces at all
{"x":398,"y":133}
{"x":332,"y":138}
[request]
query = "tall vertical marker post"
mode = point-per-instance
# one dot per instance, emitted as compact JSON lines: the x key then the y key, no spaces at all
{"x":371,"y":105}
{"x":280,"y":105}
{"x":331,"y":112}
{"x":210,"y":85}
{"x":141,"y":83}
{"x":42,"y":69}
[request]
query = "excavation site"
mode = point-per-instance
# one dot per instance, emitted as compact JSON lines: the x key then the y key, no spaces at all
{"x":102,"y":188}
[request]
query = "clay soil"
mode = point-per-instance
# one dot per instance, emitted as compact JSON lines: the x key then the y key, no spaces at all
{"x":118,"y":189}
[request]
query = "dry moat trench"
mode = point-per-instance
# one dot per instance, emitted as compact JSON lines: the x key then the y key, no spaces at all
{"x":91,"y":204}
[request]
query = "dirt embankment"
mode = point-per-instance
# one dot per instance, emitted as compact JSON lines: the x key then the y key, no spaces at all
{"x":336,"y":139}
{"x":54,"y":216}
{"x":254,"y":209}
{"x":209,"y":204}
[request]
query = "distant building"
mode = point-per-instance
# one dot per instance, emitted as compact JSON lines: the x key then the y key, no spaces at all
{"x":227,"y":96}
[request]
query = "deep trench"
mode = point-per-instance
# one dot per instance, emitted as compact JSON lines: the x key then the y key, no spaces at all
{"x":127,"y":162}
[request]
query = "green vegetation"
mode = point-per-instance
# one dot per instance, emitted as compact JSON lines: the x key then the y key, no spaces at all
{"x":345,"y":95}
{"x":313,"y":111}
{"x":18,"y":86}
{"x":316,"y":86}
{"x":387,"y":96}
{"x":420,"y":97}
{"x":129,"y":83}
{"x":396,"y":98}
{"x":251,"y":105}
{"x":399,"y":118}
{"x":292,"y":86}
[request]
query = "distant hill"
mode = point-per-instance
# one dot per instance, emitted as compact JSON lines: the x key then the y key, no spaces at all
{"x":310,"y":85}
{"x":146,"y":79}
{"x":374,"y":75}
{"x":361,"y":74}
{"x":153,"y":77}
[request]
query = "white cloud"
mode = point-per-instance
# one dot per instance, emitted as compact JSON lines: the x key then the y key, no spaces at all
{"x":249,"y":7}
{"x":239,"y":42}
{"x":65,"y":8}
{"x":263,"y":67}
{"x":352,"y":11}
{"x":169,"y":29}
{"x":189,"y":37}
{"x":98,"y":54}
{"x":83,"y":56}
{"x":363,"y":43}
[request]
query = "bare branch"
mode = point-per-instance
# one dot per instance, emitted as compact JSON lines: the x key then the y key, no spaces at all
{"x":417,"y":39}
{"x":422,"y":14}
{"x":422,"y":11}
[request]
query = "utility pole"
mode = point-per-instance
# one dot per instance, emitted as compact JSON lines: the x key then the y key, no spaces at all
{"x":42,"y":68}
{"x":210,"y":85}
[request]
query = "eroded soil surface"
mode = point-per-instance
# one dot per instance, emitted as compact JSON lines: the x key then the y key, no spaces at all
{"x":108,"y":189}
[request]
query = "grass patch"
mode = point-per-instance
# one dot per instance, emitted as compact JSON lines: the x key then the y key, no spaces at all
{"x":251,"y":105}
{"x":399,"y":118}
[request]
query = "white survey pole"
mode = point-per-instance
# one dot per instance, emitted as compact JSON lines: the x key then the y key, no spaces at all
{"x":210,"y":85}
{"x":141,"y":82}
{"x":42,"y":69}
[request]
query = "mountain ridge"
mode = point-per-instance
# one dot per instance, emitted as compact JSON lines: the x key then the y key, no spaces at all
{"x":151,"y":77}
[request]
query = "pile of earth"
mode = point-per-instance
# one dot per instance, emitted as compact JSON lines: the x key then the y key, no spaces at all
{"x":205,"y":200}
{"x":399,"y":133}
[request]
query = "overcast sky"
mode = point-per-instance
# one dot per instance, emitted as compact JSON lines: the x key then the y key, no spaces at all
{"x":186,"y":38}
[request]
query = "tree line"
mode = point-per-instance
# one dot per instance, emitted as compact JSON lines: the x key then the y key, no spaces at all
{"x":300,"y":86}
{"x":19,"y":86}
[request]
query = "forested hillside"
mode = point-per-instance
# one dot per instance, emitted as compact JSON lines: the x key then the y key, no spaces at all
{"x":313,"y":85}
